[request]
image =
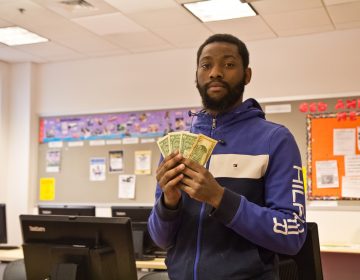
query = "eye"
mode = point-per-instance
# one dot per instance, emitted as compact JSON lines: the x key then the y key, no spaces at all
{"x":229,"y":65}
{"x":205,"y":66}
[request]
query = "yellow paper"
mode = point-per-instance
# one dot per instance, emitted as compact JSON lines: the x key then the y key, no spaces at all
{"x":304,"y":178}
{"x":47,"y":189}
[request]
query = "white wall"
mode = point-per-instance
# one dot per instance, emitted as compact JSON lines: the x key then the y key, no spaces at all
{"x":306,"y":65}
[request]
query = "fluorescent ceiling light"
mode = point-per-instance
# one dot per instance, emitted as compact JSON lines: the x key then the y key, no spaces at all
{"x":213,"y":10}
{"x":14,"y":36}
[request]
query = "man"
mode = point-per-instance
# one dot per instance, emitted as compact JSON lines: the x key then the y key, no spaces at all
{"x":228,"y":219}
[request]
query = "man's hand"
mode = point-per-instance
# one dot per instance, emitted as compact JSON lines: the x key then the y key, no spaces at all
{"x":199,"y":183}
{"x":169,"y":174}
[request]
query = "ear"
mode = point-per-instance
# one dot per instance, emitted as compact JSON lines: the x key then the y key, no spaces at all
{"x":248,"y":74}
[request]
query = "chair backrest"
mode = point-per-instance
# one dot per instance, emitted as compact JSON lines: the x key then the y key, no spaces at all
{"x":155,"y":275}
{"x":305,"y":265}
{"x":15,"y":270}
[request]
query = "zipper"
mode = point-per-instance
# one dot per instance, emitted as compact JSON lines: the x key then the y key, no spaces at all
{"x":203,"y":206}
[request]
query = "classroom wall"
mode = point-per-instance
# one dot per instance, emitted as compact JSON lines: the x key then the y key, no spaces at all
{"x":288,"y":68}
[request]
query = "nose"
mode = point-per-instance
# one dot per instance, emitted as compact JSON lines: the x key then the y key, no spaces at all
{"x":216,"y":73}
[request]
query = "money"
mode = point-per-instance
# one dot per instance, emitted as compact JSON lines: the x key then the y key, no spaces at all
{"x":202,"y":149}
{"x":164,"y":145}
{"x":197,"y":147}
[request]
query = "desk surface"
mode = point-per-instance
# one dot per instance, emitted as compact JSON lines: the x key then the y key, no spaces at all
{"x":340,"y":248}
{"x":15,"y":254}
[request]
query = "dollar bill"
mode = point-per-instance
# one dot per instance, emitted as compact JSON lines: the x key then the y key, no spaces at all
{"x":164,"y":146}
{"x":175,"y":141}
{"x":202,"y":149}
{"x":187,"y":142}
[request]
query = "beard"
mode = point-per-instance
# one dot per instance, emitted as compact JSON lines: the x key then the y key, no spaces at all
{"x":227,"y":101}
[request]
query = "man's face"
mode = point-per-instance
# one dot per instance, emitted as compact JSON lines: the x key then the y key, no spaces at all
{"x":220,"y":77}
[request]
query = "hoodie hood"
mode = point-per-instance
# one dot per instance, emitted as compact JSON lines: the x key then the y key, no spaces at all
{"x":250,"y":108}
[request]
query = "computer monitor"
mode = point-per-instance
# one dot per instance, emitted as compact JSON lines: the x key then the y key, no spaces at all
{"x":78,"y":247}
{"x":144,"y":246}
{"x":306,"y":264}
{"x":3,"y":233}
{"x":68,"y":210}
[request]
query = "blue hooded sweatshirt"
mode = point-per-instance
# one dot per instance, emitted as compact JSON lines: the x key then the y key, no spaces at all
{"x":262,"y":211}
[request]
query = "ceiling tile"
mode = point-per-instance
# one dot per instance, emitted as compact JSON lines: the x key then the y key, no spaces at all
{"x":46,"y":49}
{"x":344,"y":14}
{"x":249,"y":28}
{"x":109,"y":24}
{"x":299,"y":22}
{"x":13,"y":55}
{"x":184,"y":36}
{"x":73,"y":11}
{"x":170,"y":17}
{"x":281,"y":6}
{"x":139,"y":41}
{"x":334,"y":2}
{"x":134,"y":6}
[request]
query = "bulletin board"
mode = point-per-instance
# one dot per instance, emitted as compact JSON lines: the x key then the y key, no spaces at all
{"x":333,"y":152}
{"x":69,"y":147}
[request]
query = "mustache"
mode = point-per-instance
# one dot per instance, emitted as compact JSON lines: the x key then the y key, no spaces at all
{"x":224,"y":84}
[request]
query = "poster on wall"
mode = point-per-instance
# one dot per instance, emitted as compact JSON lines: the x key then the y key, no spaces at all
{"x":327,"y":174}
{"x":47,"y":189}
{"x":97,"y":169}
{"x":52,"y":162}
{"x":116,"y":162}
{"x":127,"y":186}
{"x":143,"y":162}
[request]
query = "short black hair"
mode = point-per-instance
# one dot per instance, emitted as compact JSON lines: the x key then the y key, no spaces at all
{"x":227,"y":38}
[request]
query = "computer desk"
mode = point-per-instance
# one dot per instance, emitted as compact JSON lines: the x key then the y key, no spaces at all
{"x":15,"y":254}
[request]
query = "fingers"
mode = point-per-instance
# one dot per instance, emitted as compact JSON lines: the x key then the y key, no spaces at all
{"x":167,"y":178}
{"x":168,"y":163}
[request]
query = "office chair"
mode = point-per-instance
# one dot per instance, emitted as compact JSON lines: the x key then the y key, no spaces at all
{"x":15,"y":270}
{"x":305,"y":265}
{"x":155,"y":275}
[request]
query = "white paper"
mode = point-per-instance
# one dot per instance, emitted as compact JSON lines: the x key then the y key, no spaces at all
{"x":97,"y":169}
{"x":97,"y":143}
{"x":142,"y":162}
{"x":127,"y":186}
{"x":116,"y":163}
{"x":344,"y":141}
{"x":351,"y":186}
{"x":352,"y":165}
{"x":327,"y":174}
{"x":56,"y":144}
{"x":53,"y":158}
{"x":147,"y":140}
{"x":76,"y":144}
{"x":113,"y":142}
{"x":130,"y":140}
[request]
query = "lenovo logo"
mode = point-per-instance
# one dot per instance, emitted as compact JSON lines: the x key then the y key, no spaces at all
{"x":37,"y":229}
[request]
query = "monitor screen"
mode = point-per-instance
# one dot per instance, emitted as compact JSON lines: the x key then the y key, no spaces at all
{"x":145,"y":247}
{"x":3,"y":233}
{"x":76,"y":247}
{"x":68,"y":210}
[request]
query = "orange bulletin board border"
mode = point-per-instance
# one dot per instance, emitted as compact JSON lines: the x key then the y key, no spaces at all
{"x":320,"y":129}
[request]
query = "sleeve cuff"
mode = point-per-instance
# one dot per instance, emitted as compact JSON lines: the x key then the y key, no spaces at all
{"x":229,"y":205}
{"x":165,"y":213}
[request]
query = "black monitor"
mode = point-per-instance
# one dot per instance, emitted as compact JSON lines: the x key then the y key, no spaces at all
{"x":306,"y":264}
{"x":68,"y":210}
{"x":77,"y":247}
{"x":3,"y":233}
{"x":144,"y":246}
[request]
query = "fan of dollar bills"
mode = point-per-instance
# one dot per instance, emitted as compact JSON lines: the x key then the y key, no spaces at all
{"x":197,"y":147}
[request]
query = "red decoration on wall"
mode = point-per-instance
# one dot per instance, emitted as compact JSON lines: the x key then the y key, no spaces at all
{"x":313,"y":107}
{"x":351,"y":104}
{"x":352,"y":116}
{"x":339,"y":104}
{"x":341,"y":116}
{"x":322,"y":107}
{"x":303,"y":107}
